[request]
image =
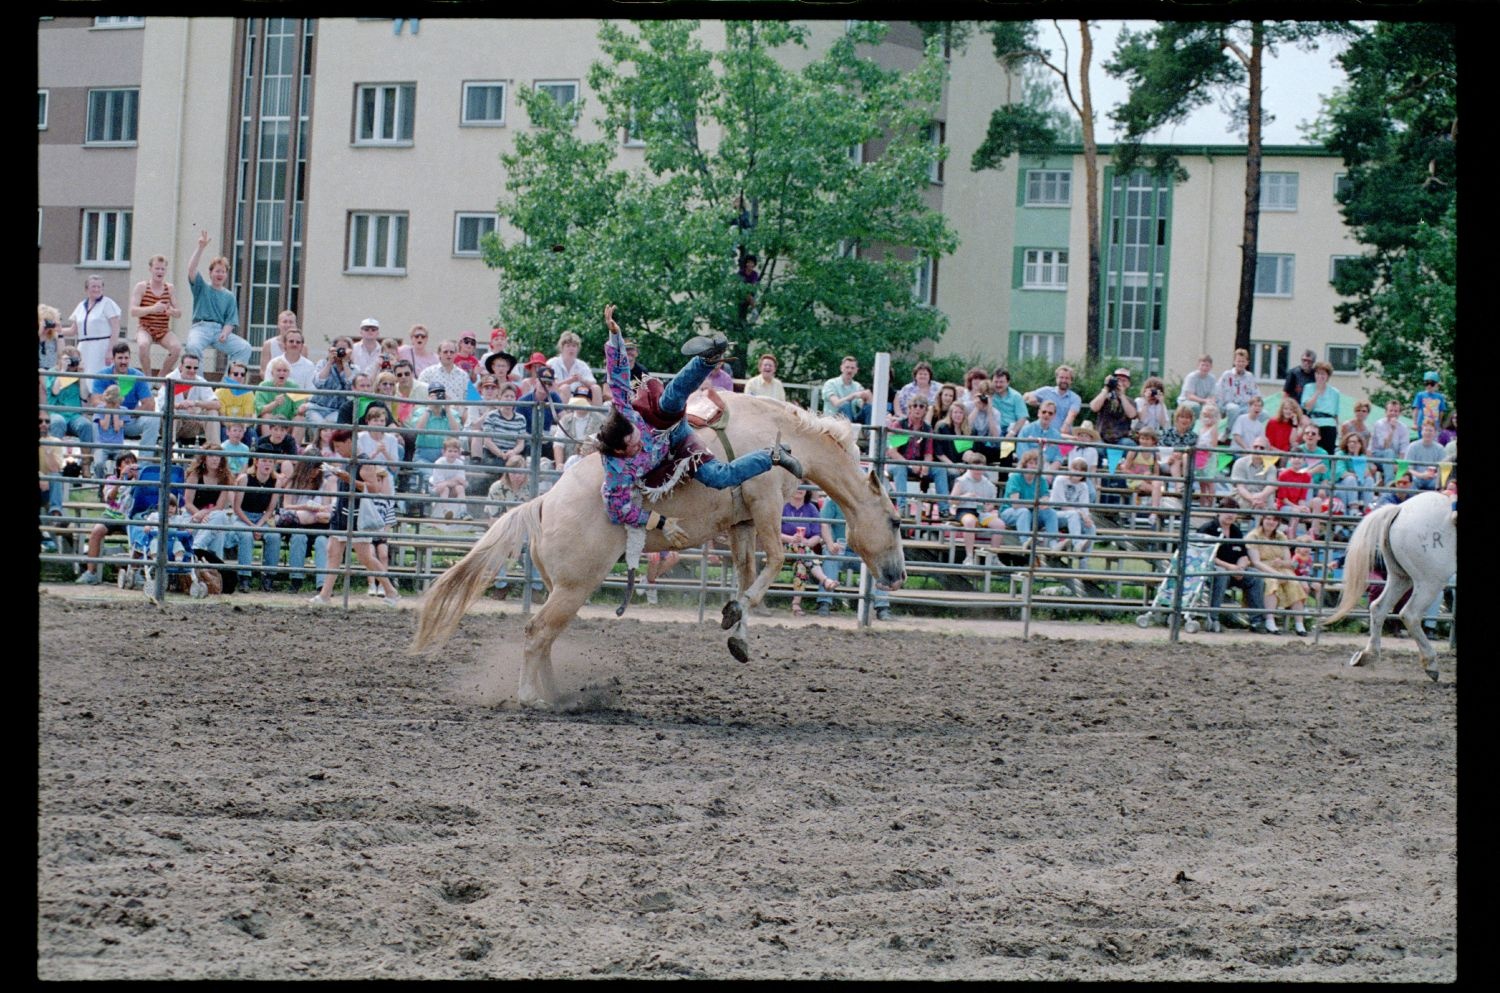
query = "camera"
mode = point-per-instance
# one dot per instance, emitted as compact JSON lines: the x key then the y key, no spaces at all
{"x":1112,"y":383}
{"x":1154,"y":393}
{"x":49,"y":325}
{"x":72,"y":362}
{"x":341,"y":352}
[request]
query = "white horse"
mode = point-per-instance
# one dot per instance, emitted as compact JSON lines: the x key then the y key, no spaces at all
{"x":574,"y":545}
{"x":1418,"y":539}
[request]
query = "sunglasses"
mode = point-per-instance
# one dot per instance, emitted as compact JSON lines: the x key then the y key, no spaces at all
{"x":468,"y":341}
{"x":489,"y":386}
{"x":403,"y":375}
{"x":421,"y":336}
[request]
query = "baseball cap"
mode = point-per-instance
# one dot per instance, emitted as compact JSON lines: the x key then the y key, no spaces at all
{"x":1430,"y":376}
{"x":437,"y":390}
{"x":498,"y":333}
{"x":369,"y":322}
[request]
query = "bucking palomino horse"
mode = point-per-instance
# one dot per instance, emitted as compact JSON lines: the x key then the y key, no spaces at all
{"x":574,"y":545}
{"x":1418,"y":539}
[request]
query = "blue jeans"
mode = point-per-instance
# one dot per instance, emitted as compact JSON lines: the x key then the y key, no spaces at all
{"x":674,"y":396}
{"x":1254,"y":589}
{"x":296,"y":555}
{"x":79,"y":426}
{"x":270,"y":548}
{"x":832,"y":565}
{"x":1018,"y":519}
{"x":146,"y":427}
{"x":901,"y":475}
{"x":205,"y":335}
{"x":1354,"y":490}
{"x":721,"y":475}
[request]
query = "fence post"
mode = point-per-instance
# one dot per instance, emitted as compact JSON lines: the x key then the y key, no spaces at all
{"x":538,"y":412}
{"x":1322,"y":582}
{"x":876,"y":407}
{"x":1191,"y":463}
{"x":1035,"y":539}
{"x":168,"y":430}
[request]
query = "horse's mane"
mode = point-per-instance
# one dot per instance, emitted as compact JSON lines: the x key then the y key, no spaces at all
{"x":837,"y":428}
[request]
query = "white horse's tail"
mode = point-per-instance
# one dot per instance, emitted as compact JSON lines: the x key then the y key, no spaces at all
{"x":450,"y":595}
{"x":1367,"y":539}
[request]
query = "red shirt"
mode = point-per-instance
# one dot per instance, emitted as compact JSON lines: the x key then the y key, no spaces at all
{"x":1279,"y":434}
{"x":1292,"y":494}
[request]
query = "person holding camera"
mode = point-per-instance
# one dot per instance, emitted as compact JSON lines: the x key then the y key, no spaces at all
{"x":335,"y":372}
{"x":47,"y":340}
{"x":1151,"y":407}
{"x":985,"y":420}
{"x":1114,"y":409}
{"x":65,"y":389}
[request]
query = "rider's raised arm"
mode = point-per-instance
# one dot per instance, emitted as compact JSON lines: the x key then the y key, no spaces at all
{"x":616,"y":362}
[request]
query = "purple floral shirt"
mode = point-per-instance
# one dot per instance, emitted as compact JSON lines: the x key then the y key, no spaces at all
{"x":622,"y":473}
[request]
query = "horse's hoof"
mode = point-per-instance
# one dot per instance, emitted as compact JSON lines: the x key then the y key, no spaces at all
{"x":1432,"y":674}
{"x":1357,"y":658}
{"x":732,"y":616}
{"x":739,"y":649}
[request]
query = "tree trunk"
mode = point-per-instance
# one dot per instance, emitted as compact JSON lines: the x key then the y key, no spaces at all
{"x":1091,"y":178}
{"x":1248,"y":248}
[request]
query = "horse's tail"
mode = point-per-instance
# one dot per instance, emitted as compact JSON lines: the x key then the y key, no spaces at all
{"x":1367,"y":539}
{"x":450,"y":595}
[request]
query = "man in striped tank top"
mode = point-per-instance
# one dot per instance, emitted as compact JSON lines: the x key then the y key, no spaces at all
{"x":153,"y":304}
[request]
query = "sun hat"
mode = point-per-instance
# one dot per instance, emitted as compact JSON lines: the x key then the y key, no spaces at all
{"x":537,"y":358}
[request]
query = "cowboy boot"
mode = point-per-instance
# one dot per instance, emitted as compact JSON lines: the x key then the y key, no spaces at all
{"x":782,"y":456}
{"x":709,"y":348}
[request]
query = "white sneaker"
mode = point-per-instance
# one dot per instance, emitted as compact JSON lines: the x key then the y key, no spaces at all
{"x":198,"y":589}
{"x":375,"y":590}
{"x":1271,"y":625}
{"x":318,"y":600}
{"x":390,"y":600}
{"x":651,"y":594}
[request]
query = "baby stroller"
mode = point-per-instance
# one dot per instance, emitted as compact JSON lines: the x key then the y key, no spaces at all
{"x":145,"y":515}
{"x":1195,"y":586}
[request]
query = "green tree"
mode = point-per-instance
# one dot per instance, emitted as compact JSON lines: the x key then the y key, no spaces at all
{"x":1033,"y":126}
{"x":742,"y":154}
{"x":1396,"y":126}
{"x":1175,"y":68}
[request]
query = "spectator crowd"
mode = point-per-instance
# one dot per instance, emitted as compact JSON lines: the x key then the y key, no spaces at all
{"x":450,"y":429}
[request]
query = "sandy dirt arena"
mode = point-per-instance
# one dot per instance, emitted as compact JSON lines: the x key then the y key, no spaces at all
{"x":234,"y":790}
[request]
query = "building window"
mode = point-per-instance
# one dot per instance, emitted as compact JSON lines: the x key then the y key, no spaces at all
{"x":1045,"y":269}
{"x":1273,"y":275}
{"x":922,"y":289}
{"x":119,"y":22}
{"x":857,"y":154}
{"x":848,"y":248}
{"x":563,"y":91}
{"x":469,"y":231}
{"x":112,"y":117}
{"x":41,"y":110}
{"x":377,"y":244}
{"x":1344,"y":358}
{"x":1268,"y":359}
{"x":484,"y":104}
{"x":1278,"y":191}
{"x":106,"y":238}
{"x":385,"y":113}
{"x":1341,"y":185}
{"x":1049,"y":187}
{"x":274,"y":111}
{"x":1038,"y":344}
{"x":934,"y":133}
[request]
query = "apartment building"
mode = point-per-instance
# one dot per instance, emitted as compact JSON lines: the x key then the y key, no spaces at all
{"x":348,"y":168}
{"x":1170,"y":262}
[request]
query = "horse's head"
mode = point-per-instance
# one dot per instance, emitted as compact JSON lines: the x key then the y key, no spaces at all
{"x":875,"y":532}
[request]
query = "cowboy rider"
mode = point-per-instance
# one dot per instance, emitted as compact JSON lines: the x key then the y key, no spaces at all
{"x":644,"y":429}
